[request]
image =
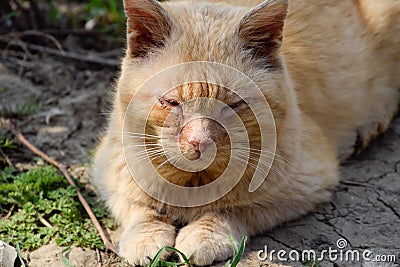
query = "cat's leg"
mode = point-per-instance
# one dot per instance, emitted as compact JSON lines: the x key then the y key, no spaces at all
{"x":207,"y":239}
{"x":145,"y":234}
{"x":143,"y":231}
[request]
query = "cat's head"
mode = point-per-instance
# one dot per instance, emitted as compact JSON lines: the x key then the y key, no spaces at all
{"x":191,"y":108}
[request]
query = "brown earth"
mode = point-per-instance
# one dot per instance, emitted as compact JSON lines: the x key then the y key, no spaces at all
{"x":68,"y":110}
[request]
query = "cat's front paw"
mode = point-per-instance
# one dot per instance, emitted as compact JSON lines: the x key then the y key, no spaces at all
{"x":204,"y":245}
{"x":139,"y":244}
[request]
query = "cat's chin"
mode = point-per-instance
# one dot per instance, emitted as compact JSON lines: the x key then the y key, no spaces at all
{"x":196,"y":164}
{"x":197,"y":176}
{"x":192,"y":156}
{"x":194,"y":179}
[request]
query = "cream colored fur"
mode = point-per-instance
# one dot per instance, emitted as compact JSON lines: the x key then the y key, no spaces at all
{"x":338,"y":85}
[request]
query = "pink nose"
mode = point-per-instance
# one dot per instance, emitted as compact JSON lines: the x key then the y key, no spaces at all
{"x":195,"y":144}
{"x":200,"y":145}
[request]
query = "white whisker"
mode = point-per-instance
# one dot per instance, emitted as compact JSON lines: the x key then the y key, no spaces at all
{"x":274,"y":155}
{"x":268,"y":165}
{"x":167,"y":160}
{"x":250,"y":164}
{"x":145,"y":155}
{"x":144,"y":145}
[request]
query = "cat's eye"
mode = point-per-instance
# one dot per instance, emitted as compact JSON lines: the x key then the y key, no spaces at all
{"x":236,"y":104}
{"x":168,"y":102}
{"x":172,"y":102}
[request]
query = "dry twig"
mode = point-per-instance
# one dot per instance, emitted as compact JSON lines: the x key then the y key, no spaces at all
{"x":6,"y":158}
{"x":10,"y":212}
{"x":107,"y":244}
{"x":44,"y":35}
{"x":96,"y":59}
{"x":89,"y":58}
{"x":354,"y":183}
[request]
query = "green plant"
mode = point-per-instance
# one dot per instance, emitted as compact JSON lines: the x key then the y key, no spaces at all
{"x":53,"y":13}
{"x":9,"y":16}
{"x":156,"y":262}
{"x":41,"y":206}
{"x":312,"y":263}
{"x":19,"y":254}
{"x":108,"y":14}
{"x":64,"y":258}
{"x":28,"y":108}
{"x":25,"y":109}
{"x":238,"y":252}
{"x":5,"y":143}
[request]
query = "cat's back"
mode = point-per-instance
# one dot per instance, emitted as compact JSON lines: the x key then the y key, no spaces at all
{"x":343,"y":58}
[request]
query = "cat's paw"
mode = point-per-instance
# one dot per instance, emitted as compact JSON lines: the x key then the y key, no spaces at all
{"x":204,"y":245}
{"x":361,"y":138}
{"x":139,"y":244}
{"x":367,"y":133}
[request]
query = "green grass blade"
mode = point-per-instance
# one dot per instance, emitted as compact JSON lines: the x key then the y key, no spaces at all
{"x":21,"y":259}
{"x":238,"y":255}
{"x":65,"y":260}
{"x":156,"y":262}
{"x":234,"y":245}
{"x":312,"y":263}
{"x":228,"y":264}
{"x":157,"y":257}
{"x":169,"y":264}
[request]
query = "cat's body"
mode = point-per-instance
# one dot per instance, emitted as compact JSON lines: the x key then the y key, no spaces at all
{"x":335,"y":90}
{"x":345,"y":63}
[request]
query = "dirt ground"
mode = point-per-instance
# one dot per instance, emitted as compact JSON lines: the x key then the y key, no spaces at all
{"x":69,"y":103}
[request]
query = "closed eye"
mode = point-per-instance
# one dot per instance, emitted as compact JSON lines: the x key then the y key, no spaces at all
{"x":168,"y":102}
{"x":172,"y":102}
{"x":237,"y":104}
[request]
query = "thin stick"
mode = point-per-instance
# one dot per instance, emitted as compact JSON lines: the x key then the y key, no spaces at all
{"x":6,"y":158}
{"x":354,"y":183}
{"x":46,"y":223}
{"x":107,"y":244}
{"x":94,"y":59}
{"x":89,"y":58}
{"x":42,"y":34}
{"x":10,"y":212}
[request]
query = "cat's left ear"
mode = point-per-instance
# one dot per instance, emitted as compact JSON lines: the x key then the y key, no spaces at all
{"x":148,"y":26}
{"x":261,"y":29}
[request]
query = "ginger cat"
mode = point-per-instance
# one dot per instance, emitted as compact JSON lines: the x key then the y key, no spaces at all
{"x":329,"y":70}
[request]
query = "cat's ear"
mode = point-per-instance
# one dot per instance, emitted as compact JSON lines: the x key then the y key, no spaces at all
{"x":148,"y":26}
{"x":261,"y":29}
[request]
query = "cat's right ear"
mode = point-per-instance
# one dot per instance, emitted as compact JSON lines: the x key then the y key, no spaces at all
{"x":148,"y":26}
{"x":261,"y":29}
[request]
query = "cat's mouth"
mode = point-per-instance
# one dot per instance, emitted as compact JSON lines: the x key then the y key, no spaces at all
{"x":197,"y":149}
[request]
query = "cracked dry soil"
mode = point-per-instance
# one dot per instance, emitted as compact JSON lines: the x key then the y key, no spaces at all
{"x":73,"y":104}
